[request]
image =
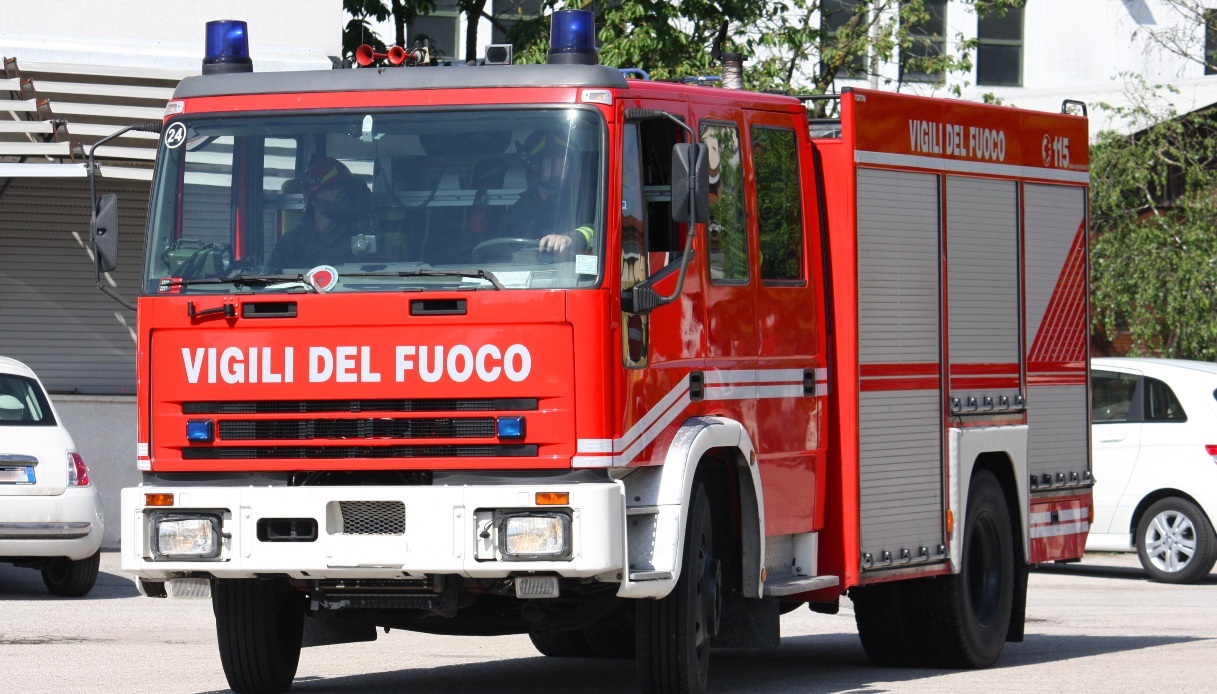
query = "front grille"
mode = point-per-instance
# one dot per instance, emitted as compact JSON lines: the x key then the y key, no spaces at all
{"x":306,"y":429}
{"x":312,"y":452}
{"x":373,"y":517}
{"x":374,"y":585}
{"x":391,"y":405}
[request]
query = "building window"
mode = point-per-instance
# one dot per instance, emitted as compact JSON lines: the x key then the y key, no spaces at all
{"x":1210,"y":42}
{"x":927,"y":41}
{"x":835,"y":14}
{"x":442,"y":26}
{"x":999,"y":50}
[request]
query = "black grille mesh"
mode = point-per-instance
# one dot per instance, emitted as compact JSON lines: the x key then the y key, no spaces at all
{"x":373,"y":517}
{"x":313,"y":452}
{"x":306,"y":429}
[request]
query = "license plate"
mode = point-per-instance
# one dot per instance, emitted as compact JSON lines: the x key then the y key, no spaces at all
{"x":16,"y":475}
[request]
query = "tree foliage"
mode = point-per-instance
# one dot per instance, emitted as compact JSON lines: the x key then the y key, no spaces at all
{"x":787,"y":43}
{"x":1153,"y":248}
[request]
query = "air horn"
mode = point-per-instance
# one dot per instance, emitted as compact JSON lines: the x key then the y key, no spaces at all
{"x":365,"y":55}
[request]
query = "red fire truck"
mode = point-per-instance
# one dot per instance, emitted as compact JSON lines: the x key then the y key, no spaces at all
{"x":633,"y":367}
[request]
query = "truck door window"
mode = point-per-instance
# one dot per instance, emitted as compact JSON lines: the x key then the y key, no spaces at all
{"x":727,"y":242}
{"x":634,"y":247}
{"x":778,"y":203}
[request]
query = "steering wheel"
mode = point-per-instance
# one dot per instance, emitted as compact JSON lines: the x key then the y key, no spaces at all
{"x":489,"y":251}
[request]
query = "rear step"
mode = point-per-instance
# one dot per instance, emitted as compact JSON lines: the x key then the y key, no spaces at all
{"x":792,"y":585}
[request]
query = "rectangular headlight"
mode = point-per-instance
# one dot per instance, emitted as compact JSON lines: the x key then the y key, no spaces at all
{"x":180,"y":536}
{"x":535,"y":536}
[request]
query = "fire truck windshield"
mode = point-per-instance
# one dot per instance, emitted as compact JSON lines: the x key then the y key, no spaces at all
{"x":389,"y":200}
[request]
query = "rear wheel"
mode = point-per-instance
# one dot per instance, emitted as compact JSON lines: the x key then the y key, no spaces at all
{"x":259,"y":625}
{"x":673,"y":633}
{"x":1175,"y":542}
{"x":967,"y":615}
{"x":70,"y":578}
{"x":885,"y":624}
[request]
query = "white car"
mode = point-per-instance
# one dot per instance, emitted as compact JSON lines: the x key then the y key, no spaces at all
{"x":50,"y":513}
{"x":1154,"y":438}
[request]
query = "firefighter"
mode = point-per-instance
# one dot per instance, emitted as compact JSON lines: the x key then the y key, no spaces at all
{"x":544,"y":210}
{"x":334,"y":228}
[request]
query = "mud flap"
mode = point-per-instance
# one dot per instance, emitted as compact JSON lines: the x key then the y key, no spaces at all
{"x":749,"y":623}
{"x":328,"y":632}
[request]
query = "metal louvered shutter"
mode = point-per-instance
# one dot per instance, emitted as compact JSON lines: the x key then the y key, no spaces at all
{"x":1057,"y":401}
{"x":52,"y":317}
{"x":899,"y":343}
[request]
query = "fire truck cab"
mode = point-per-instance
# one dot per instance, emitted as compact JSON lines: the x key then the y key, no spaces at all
{"x":632,"y":367}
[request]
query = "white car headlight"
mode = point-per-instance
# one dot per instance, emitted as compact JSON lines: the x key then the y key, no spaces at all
{"x":180,"y":536}
{"x":535,"y":536}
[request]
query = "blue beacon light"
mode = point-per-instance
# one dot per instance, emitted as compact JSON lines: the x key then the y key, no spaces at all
{"x":572,"y":38}
{"x":227,"y":48}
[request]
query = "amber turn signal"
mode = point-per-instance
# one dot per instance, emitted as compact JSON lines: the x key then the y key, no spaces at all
{"x":553,"y":498}
{"x":158,"y":500}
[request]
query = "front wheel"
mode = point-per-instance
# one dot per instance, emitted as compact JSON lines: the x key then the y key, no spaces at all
{"x":70,"y":578}
{"x":1175,"y":542}
{"x":673,"y":634}
{"x":259,"y":626}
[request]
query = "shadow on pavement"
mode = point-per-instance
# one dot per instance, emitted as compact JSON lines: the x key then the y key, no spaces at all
{"x":1099,"y":571}
{"x":26,"y":584}
{"x":819,"y":663}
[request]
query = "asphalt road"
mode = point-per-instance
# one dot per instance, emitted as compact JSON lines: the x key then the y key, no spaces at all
{"x":1095,"y":626}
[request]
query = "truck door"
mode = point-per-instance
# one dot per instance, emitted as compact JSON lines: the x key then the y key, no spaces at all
{"x":788,"y":320}
{"x":657,"y":349}
{"x":731,"y":338}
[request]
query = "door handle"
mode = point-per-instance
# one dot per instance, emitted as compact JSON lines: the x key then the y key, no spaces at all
{"x":1115,"y":438}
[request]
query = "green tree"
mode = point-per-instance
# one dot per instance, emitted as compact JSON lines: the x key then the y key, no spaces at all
{"x":1153,"y":247}
{"x":787,"y":43}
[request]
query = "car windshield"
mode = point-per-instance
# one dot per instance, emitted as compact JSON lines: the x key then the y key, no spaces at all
{"x":379,"y":201}
{"x":22,"y":402}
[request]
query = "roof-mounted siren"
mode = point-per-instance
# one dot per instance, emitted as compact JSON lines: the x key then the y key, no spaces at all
{"x":227,"y":48}
{"x":572,"y":38}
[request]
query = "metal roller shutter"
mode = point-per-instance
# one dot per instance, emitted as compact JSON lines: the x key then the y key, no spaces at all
{"x":52,"y":317}
{"x":899,"y":337}
{"x":1056,"y":332}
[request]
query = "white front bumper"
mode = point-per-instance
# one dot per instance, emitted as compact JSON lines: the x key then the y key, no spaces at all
{"x":441,"y":533}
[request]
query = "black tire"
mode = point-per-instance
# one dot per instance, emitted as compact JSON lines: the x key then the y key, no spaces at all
{"x":259,"y":626}
{"x":673,"y":634}
{"x":560,"y":644}
{"x":886,"y":626}
{"x":1175,"y":542}
{"x":69,"y":578}
{"x":966,"y":616}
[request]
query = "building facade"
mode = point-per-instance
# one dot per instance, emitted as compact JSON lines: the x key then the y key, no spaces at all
{"x":65,"y":85}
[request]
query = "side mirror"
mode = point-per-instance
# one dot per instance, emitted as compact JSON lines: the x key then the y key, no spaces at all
{"x":690,"y":182}
{"x":103,"y":233}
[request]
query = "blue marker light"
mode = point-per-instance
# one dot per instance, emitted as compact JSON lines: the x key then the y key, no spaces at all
{"x":227,"y":48}
{"x":572,"y":38}
{"x":510,"y":427}
{"x":200,"y":431}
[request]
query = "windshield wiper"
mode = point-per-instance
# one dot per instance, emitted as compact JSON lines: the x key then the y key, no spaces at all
{"x":429,"y":272}
{"x":238,"y":280}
